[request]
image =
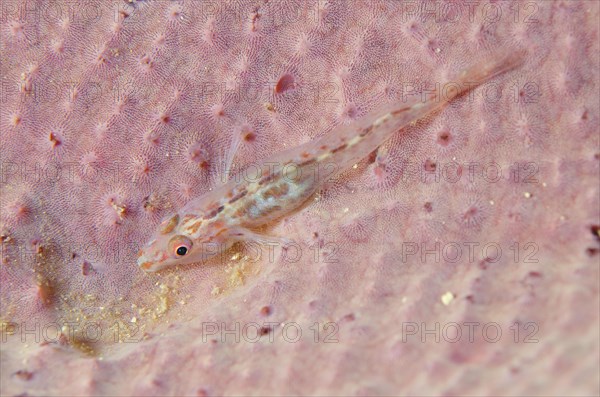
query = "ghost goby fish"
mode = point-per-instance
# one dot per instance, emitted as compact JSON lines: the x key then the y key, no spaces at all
{"x":232,"y":212}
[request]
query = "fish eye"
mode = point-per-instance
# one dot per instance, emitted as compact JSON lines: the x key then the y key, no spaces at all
{"x":180,"y":245}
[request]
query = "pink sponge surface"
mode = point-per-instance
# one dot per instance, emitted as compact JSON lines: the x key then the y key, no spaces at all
{"x":462,"y":257}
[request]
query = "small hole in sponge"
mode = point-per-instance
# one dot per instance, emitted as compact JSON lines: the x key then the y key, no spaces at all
{"x":592,"y":251}
{"x":264,"y":331}
{"x":285,"y":83}
{"x":584,"y":116}
{"x":372,"y":157}
{"x":430,"y":165}
{"x":428,"y":206}
{"x":266,"y":310}
{"x":444,"y":138}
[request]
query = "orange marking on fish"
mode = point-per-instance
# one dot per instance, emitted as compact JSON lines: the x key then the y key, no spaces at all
{"x":218,"y":224}
{"x":242,"y":210}
{"x":187,"y":218}
{"x":193,"y":227}
{"x":146,"y":265}
{"x":221,"y":231}
{"x":168,"y":225}
{"x":276,"y":191}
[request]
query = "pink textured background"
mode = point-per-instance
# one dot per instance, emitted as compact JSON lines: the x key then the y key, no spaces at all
{"x":103,"y":101}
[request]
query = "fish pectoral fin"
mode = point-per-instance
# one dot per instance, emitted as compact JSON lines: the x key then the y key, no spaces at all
{"x":243,"y":234}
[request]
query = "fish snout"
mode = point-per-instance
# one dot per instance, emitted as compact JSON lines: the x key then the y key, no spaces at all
{"x":143,"y":262}
{"x":145,"y":258}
